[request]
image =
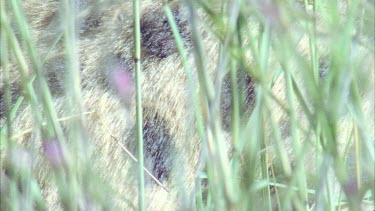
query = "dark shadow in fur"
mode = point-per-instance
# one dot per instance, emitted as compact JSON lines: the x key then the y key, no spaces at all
{"x":247,"y":93}
{"x":156,"y":35}
{"x":157,"y":147}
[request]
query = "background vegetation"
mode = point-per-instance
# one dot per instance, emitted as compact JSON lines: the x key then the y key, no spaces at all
{"x":325,"y":84}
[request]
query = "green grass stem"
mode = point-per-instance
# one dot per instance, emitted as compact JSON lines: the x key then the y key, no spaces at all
{"x":139,"y":122}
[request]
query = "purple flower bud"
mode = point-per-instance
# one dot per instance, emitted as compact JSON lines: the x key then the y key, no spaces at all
{"x":54,"y":152}
{"x":351,"y":188}
{"x":123,"y":83}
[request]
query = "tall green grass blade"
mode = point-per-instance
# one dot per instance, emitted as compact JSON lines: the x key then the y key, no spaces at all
{"x":139,"y":122}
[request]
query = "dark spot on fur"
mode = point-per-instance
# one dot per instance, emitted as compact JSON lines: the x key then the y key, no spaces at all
{"x":157,"y":147}
{"x":323,"y":68}
{"x":55,"y":75}
{"x":93,"y":18}
{"x":157,"y":38}
{"x":284,"y":128}
{"x":247,"y":95}
{"x":15,"y":92}
{"x":90,"y":23}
